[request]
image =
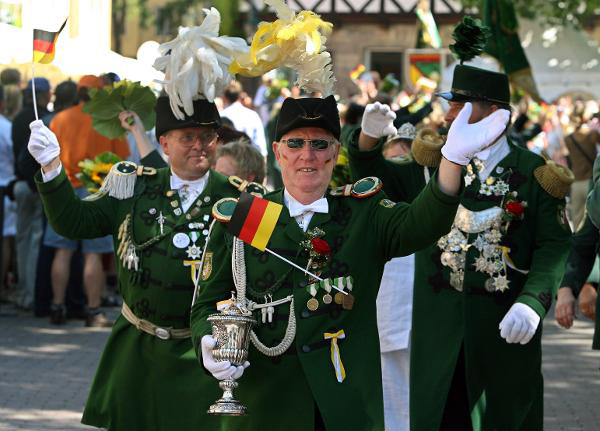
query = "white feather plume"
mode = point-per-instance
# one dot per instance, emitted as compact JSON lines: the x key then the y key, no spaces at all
{"x":196,"y":63}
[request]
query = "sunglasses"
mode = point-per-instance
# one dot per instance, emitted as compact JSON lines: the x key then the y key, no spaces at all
{"x":315,"y":144}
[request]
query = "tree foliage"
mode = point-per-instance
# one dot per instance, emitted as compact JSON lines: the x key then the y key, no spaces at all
{"x":552,"y":12}
{"x":189,"y":12}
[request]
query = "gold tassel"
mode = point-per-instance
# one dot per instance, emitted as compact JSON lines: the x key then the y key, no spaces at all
{"x":427,"y":148}
{"x":554,"y":179}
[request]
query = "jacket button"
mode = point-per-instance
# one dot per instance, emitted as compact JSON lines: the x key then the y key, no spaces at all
{"x":306,"y":348}
{"x":305,"y":314}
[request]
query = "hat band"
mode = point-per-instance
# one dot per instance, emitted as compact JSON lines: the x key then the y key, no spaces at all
{"x":477,"y":96}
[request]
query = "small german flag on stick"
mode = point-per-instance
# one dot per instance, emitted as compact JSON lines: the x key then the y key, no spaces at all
{"x":43,"y":52}
{"x":254,"y":220}
{"x":44,"y":44}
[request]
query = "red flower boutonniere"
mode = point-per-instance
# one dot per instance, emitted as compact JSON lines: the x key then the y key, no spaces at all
{"x":320,"y":246}
{"x":514,"y":209}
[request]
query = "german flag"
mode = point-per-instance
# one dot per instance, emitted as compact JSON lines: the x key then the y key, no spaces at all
{"x":44,"y":43}
{"x":253,"y":220}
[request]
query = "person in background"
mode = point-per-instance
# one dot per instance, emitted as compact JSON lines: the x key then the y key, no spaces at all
{"x":12,"y":100}
{"x":7,"y":176}
{"x":65,"y":96}
{"x":586,"y":244}
{"x":244,"y":119}
{"x":394,"y":310}
{"x":80,"y":141}
{"x":241,"y":159}
{"x":582,"y":145}
{"x":10,"y":76}
{"x":29,"y":207}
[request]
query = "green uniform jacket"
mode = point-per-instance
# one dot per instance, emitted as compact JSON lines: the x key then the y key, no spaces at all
{"x":144,"y":383}
{"x":504,"y":381}
{"x":281,"y":392}
{"x":586,"y":245}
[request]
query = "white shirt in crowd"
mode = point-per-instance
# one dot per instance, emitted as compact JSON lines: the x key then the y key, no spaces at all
{"x":247,"y":121}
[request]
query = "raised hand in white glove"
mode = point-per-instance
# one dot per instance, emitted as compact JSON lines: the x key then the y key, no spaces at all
{"x":43,"y":144}
{"x":519,"y":324}
{"x":221,"y":370}
{"x":378,"y":121}
{"x":465,"y":140}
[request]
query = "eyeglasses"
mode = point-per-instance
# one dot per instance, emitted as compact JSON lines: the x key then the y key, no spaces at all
{"x":315,"y":144}
{"x":189,"y":139}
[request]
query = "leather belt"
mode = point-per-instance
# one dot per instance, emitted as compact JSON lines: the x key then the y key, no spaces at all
{"x":151,"y":328}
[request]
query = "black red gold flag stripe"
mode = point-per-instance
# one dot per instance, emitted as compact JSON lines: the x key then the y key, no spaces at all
{"x":44,"y":44}
{"x":254,"y":219}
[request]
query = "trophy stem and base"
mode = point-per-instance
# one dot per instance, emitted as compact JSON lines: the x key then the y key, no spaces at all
{"x":227,"y":405}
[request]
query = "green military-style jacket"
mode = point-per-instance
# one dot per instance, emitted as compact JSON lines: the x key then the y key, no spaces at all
{"x":281,"y":392}
{"x":504,"y":381}
{"x":144,"y":383}
{"x":586,"y":247}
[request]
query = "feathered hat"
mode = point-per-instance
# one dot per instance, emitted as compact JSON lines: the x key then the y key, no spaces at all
{"x":196,"y":66}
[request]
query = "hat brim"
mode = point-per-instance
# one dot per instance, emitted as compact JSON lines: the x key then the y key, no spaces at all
{"x":453,"y":97}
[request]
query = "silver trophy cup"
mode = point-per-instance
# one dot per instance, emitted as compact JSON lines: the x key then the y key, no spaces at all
{"x":231,"y":329}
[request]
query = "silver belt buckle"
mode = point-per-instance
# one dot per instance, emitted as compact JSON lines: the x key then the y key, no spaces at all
{"x":162,"y":333}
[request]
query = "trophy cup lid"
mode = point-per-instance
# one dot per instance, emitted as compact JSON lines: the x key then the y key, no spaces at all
{"x":231,"y":308}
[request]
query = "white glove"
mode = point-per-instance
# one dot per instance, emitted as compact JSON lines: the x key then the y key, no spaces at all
{"x":378,"y":121}
{"x":465,"y":140}
{"x":43,"y":144}
{"x":220,"y":370}
{"x":519,"y":324}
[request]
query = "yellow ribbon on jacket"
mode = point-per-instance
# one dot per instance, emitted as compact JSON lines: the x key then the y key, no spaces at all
{"x":508,"y":261}
{"x":336,"y":359}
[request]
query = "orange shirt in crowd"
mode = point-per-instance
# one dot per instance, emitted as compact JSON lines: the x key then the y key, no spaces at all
{"x":79,"y":141}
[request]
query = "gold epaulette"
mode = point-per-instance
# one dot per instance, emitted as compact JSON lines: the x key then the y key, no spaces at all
{"x":363,"y":188}
{"x":427,"y":148}
{"x":247,"y":186}
{"x":120,"y":180}
{"x":554,"y":178}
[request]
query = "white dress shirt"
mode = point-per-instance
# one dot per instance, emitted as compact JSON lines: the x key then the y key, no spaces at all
{"x":247,"y":121}
{"x":303,"y":213}
{"x":188,"y":190}
{"x":492,"y":156}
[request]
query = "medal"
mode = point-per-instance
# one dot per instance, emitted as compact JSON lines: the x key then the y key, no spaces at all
{"x":327,"y":298}
{"x":181,"y":240}
{"x":193,"y":251}
{"x":348,"y":302}
{"x":339,"y":298}
{"x":312,"y":304}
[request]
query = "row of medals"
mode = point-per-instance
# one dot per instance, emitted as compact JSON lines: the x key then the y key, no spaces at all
{"x":346,"y":301}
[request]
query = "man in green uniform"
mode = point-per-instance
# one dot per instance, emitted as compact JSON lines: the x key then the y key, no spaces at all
{"x":482,"y":290}
{"x":148,"y":377}
{"x":315,"y":361}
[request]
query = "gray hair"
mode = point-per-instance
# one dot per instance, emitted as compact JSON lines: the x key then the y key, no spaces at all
{"x":248,"y":158}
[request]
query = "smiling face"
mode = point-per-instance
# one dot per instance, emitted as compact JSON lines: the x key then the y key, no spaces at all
{"x":191,"y":151}
{"x":306,"y":172}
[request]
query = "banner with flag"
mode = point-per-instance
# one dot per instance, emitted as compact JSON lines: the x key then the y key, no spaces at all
{"x":428,"y":36}
{"x":505,"y":45}
{"x":44,"y":44}
{"x":254,"y":220}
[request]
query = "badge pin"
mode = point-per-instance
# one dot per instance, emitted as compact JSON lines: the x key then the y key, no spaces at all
{"x":152,"y":211}
{"x":181,"y":240}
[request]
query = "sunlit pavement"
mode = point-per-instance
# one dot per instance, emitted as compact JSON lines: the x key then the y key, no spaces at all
{"x":45,"y":373}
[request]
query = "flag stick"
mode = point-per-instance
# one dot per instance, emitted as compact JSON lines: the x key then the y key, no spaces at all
{"x":33,"y":89}
{"x":303,"y":270}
